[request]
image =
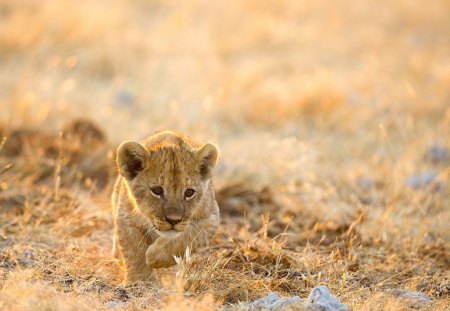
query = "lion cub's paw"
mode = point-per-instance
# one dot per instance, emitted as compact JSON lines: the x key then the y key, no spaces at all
{"x":155,"y":257}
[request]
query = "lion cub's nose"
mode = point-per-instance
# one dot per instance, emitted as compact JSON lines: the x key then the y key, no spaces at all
{"x":173,"y":221}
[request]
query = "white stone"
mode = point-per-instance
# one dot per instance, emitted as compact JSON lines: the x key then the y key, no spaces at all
{"x":320,"y":298}
{"x":274,"y":303}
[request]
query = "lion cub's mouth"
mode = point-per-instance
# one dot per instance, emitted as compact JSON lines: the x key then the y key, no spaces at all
{"x":171,"y":234}
{"x":165,"y":229}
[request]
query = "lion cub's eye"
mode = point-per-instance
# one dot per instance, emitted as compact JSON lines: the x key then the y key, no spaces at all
{"x":157,"y":191}
{"x":189,"y":193}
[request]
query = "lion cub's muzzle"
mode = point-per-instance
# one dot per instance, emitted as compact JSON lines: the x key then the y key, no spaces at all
{"x":177,"y":224}
{"x":170,"y":225}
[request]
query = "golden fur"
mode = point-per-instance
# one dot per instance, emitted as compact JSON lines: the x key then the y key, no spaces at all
{"x":152,"y":227}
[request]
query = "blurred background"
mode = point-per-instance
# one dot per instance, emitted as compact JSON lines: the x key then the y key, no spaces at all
{"x":280,"y":75}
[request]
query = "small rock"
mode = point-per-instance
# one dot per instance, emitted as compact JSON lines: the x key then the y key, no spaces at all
{"x":417,"y":295}
{"x":321,"y":299}
{"x":364,"y":186}
{"x":26,"y":259}
{"x":415,"y":300}
{"x":116,"y":304}
{"x":365,"y":183}
{"x":437,"y":154}
{"x":274,"y":303}
{"x":124,"y":98}
{"x":425,"y":180}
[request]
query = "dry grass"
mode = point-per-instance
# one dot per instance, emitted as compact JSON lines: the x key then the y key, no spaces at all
{"x":322,"y":111}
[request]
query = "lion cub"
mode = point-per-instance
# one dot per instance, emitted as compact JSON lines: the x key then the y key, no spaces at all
{"x":163,"y":202}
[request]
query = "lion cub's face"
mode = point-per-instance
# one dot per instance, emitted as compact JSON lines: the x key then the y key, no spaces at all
{"x":167,"y":182}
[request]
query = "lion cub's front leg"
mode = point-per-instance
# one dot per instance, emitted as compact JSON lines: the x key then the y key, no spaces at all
{"x":133,"y":245}
{"x":161,"y":253}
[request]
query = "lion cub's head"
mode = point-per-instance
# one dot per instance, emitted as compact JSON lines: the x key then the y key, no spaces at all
{"x":168,"y":177}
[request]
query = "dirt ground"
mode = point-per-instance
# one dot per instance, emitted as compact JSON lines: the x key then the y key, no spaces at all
{"x":333,"y":120}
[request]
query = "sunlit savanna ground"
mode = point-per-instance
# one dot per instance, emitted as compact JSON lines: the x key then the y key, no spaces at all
{"x":323,"y":112}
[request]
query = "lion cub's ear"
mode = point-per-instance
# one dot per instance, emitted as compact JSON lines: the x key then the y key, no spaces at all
{"x":131,"y":159}
{"x":207,"y":155}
